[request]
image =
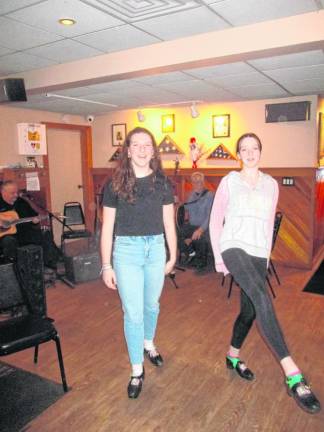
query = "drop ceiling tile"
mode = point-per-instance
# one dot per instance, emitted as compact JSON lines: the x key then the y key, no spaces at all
{"x":221,"y":70}
{"x":183,"y":24}
{"x":117,"y":39}
{"x":46,"y":15}
{"x":310,"y":86}
{"x":4,"y":51}
{"x":19,"y":62}
{"x":75,"y":92}
{"x":64,"y":51}
{"x":12,"y":5}
{"x":122,"y":87}
{"x":19,"y":36}
{"x":114,"y":99}
{"x":193,"y":90}
{"x":262,"y":91}
{"x":297,"y":73}
{"x":307,"y":58}
{"x":251,"y":11}
{"x":155,"y":80}
{"x":239,"y":80}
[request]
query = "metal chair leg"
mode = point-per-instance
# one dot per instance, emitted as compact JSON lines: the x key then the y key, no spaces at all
{"x":271,"y":265}
{"x":60,"y":359}
{"x":270,"y":286}
{"x":172,"y":276}
{"x":223,"y":280}
{"x":36,"y":354}
{"x":230,"y":287}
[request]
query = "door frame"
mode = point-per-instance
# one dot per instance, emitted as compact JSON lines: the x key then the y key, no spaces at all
{"x":86,"y":165}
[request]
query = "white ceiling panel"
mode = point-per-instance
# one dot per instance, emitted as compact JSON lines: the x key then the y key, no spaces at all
{"x":183,"y":24}
{"x":64,"y":51}
{"x":19,"y":36}
{"x":4,"y":51}
{"x":122,"y":87}
{"x":239,"y":80}
{"x":311,"y":86}
{"x":155,"y":80}
{"x":12,"y":5}
{"x":117,"y":39}
{"x":262,"y":91}
{"x":251,"y":11}
{"x":46,"y":15}
{"x":307,"y":58}
{"x":221,"y":70}
{"x":297,"y":73}
{"x":18,"y":62}
{"x":194,"y":89}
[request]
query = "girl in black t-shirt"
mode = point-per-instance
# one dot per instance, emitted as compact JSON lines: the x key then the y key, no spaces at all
{"x":138,"y":209}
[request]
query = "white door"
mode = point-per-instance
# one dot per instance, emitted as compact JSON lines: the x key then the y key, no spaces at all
{"x":64,"y":158}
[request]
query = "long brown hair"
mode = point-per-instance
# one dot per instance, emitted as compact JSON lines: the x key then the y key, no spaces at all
{"x":123,"y":181}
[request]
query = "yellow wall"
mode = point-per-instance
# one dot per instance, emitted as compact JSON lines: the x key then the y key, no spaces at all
{"x":287,"y":144}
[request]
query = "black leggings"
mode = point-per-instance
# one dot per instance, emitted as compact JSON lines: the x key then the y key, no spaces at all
{"x":249,"y":272}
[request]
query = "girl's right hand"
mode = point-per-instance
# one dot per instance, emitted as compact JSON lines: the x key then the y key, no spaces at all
{"x":109,"y":278}
{"x":221,"y":268}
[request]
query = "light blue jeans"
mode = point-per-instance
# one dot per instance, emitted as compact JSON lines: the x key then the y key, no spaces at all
{"x":139,"y":264}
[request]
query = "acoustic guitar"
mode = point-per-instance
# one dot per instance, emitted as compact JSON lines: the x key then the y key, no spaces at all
{"x":10,"y":219}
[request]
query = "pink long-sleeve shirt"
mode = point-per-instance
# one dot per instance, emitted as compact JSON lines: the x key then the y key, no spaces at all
{"x":242,"y":216}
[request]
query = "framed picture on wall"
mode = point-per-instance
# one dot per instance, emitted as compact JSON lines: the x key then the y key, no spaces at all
{"x":118,"y":134}
{"x":221,"y":126}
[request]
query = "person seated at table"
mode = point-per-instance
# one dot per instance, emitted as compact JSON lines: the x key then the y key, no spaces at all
{"x":193,"y":235}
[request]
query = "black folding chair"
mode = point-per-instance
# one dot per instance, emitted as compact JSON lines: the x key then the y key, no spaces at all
{"x":73,"y":216}
{"x":29,"y":326}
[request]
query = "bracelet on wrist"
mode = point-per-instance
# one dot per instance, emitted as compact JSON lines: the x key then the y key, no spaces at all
{"x":105,"y":267}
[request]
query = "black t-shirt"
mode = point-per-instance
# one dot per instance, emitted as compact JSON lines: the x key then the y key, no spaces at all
{"x":145,"y":216}
{"x":23,"y":209}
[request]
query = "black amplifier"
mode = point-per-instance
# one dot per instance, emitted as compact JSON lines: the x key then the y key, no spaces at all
{"x":82,"y":268}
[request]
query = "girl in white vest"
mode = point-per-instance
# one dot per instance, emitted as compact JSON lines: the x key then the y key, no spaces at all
{"x":241,"y":230}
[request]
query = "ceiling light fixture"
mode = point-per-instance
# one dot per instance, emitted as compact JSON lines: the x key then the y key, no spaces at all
{"x":140,"y":116}
{"x":194,"y":111}
{"x":79,"y":99}
{"x":67,"y":21}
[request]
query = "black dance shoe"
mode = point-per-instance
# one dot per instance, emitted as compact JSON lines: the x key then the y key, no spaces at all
{"x":135,"y":385}
{"x":240,"y":368}
{"x":304,"y":397}
{"x":154,"y":357}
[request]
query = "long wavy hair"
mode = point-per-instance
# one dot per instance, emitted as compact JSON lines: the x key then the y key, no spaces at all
{"x":123,"y":181}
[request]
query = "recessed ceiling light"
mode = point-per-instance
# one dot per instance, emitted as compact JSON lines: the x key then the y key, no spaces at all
{"x":67,"y":21}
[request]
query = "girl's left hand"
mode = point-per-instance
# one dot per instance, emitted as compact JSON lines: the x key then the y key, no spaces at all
{"x":169,"y":267}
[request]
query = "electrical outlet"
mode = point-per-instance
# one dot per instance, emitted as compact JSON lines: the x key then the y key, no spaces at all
{"x":288,"y":181}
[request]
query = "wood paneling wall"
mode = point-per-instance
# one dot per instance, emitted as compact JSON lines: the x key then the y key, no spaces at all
{"x":298,"y":237}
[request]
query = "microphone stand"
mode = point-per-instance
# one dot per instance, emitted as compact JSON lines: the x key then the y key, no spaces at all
{"x":31,"y":200}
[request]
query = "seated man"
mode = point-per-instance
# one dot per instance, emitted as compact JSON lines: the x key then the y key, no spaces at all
{"x":13,"y":207}
{"x":194,"y":235}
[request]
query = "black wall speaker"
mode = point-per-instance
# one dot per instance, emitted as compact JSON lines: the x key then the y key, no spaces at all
{"x":285,"y":112}
{"x":9,"y":286}
{"x":12,"y":90}
{"x":82,"y":268}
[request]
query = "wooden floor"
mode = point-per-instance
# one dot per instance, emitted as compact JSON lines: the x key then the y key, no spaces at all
{"x":194,"y":391}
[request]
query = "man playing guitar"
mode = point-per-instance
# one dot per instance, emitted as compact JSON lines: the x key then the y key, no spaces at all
{"x":14,"y":207}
